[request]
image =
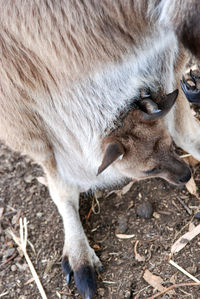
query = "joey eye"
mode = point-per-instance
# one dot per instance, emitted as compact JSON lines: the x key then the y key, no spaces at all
{"x":151,"y":171}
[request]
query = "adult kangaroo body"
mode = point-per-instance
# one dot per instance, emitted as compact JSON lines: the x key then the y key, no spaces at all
{"x":68,"y":70}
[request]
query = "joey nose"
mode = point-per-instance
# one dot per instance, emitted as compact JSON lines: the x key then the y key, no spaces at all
{"x":186,"y":176}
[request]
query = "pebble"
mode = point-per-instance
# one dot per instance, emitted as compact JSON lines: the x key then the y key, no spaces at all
{"x":145,"y":210}
{"x":10,"y":244}
{"x":15,"y":218}
{"x":9,"y":252}
{"x":122,"y":225}
{"x":197,"y":215}
{"x":39,"y":214}
{"x":101,"y":292}
{"x":127,"y":295}
{"x":13,"y":268}
{"x":156,"y":215}
{"x":104,"y":256}
{"x":22,"y":267}
{"x":28,"y":179}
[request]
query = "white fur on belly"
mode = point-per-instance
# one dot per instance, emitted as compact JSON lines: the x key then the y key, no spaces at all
{"x":86,"y":109}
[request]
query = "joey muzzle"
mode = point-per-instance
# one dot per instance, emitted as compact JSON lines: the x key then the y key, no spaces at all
{"x":179,"y":172}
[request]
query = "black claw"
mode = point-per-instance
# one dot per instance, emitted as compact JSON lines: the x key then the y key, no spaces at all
{"x":100,"y":268}
{"x":191,"y":92}
{"x":85,"y":281}
{"x":68,"y":278}
{"x":67,"y":269}
{"x":188,"y":86}
{"x":194,"y":77}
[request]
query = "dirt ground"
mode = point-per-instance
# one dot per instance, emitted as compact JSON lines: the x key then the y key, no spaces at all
{"x":122,"y":277}
{"x":115,"y":216}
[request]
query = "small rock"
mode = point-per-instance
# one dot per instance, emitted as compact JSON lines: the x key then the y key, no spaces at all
{"x":20,"y":251}
{"x":101,"y":292}
{"x":32,"y":189}
{"x":104,"y":256}
{"x":8,"y":252}
{"x":49,"y":266}
{"x":1,"y":211}
{"x":22,"y":267}
{"x":15,"y":218}
{"x":3,"y":273}
{"x":39,"y":214}
{"x":145,"y":210}
{"x":156,"y":215}
{"x":127,"y":295}
{"x":10,"y":244}
{"x":122,"y":226}
{"x":13,"y":268}
{"x":191,"y":227}
{"x":28,"y":179}
{"x":197,"y":215}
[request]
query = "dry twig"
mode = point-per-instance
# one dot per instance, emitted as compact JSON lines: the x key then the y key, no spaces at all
{"x":138,"y":257}
{"x":173,"y":287}
{"x":185,"y":156}
{"x":4,"y":294}
{"x":184,"y":271}
{"x":88,"y":215}
{"x":184,"y":205}
{"x":22,"y":242}
{"x":9,"y":259}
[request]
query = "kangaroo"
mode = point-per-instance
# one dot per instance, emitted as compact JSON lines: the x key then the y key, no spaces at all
{"x":69,"y":73}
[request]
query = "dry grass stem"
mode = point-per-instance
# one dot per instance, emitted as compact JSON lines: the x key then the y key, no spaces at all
{"x":9,"y":259}
{"x":4,"y":294}
{"x":22,"y":242}
{"x":138,"y":257}
{"x":109,"y":282}
{"x":185,"y":206}
{"x":185,"y":156}
{"x":184,"y":271}
{"x":95,"y":205}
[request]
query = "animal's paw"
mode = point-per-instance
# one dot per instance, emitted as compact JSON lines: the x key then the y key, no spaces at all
{"x":67,"y":269}
{"x":192,"y":92}
{"x":84,"y":274}
{"x":85,"y":281}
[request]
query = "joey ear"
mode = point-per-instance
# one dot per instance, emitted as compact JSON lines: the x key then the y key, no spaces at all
{"x":113,"y":150}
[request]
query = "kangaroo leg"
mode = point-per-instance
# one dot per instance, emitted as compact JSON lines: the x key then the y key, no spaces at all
{"x":78,"y":257}
{"x":183,"y":127}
